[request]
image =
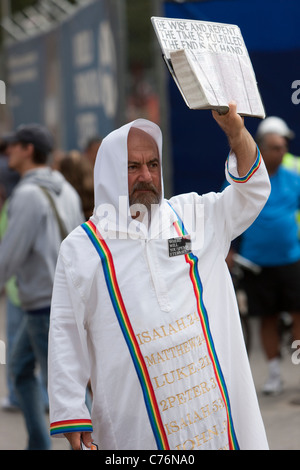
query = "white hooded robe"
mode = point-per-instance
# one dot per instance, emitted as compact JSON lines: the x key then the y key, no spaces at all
{"x":159,"y":336}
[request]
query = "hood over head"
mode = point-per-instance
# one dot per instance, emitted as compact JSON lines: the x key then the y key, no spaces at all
{"x":111,"y":176}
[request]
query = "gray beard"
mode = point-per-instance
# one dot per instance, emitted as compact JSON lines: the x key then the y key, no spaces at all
{"x":146,"y":199}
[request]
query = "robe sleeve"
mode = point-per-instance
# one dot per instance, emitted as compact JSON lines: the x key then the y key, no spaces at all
{"x":68,"y":360}
{"x":240,"y":203}
{"x":228,"y":213}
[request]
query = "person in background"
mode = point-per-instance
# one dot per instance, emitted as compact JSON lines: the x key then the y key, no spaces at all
{"x":8,"y":177}
{"x":272,"y":243}
{"x":79,"y":173}
{"x":42,"y":210}
{"x":91,"y":149}
{"x":14,"y":314}
{"x":276,"y":125}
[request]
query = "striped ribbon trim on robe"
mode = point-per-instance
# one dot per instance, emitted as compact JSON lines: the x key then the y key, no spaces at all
{"x":192,"y":261}
{"x":250,"y":173}
{"x":71,"y":425}
{"x":130,"y":338}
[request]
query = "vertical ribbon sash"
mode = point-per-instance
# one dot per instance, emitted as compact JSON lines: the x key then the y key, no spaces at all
{"x":192,"y":261}
{"x":130,"y":338}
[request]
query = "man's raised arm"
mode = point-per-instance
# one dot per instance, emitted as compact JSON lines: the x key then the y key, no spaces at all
{"x":240,"y":140}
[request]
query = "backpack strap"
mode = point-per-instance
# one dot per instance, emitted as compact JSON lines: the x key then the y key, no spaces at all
{"x":62,"y":229}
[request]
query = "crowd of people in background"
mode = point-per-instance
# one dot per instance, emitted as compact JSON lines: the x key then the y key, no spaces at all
{"x":44,"y":194}
{"x":76,"y":166}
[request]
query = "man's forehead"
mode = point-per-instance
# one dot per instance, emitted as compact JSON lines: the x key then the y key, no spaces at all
{"x":273,"y":136}
{"x":137,"y":135}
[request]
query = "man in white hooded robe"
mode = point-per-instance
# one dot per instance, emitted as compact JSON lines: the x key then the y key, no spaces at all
{"x":143,"y":306}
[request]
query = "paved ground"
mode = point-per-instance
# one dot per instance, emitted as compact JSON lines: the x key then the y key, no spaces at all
{"x":281,"y":418}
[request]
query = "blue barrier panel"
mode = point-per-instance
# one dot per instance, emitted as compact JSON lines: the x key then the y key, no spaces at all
{"x":72,"y":77}
{"x":271,"y":35}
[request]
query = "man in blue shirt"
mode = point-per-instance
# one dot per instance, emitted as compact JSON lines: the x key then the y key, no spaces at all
{"x":272,"y":243}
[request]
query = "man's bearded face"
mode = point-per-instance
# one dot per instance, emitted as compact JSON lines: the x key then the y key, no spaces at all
{"x":144,"y":173}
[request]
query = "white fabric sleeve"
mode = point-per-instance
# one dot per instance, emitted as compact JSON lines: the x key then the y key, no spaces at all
{"x":240,"y":203}
{"x":68,"y":361}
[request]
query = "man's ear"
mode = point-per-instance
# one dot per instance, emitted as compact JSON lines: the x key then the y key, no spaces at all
{"x":29,"y":148}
